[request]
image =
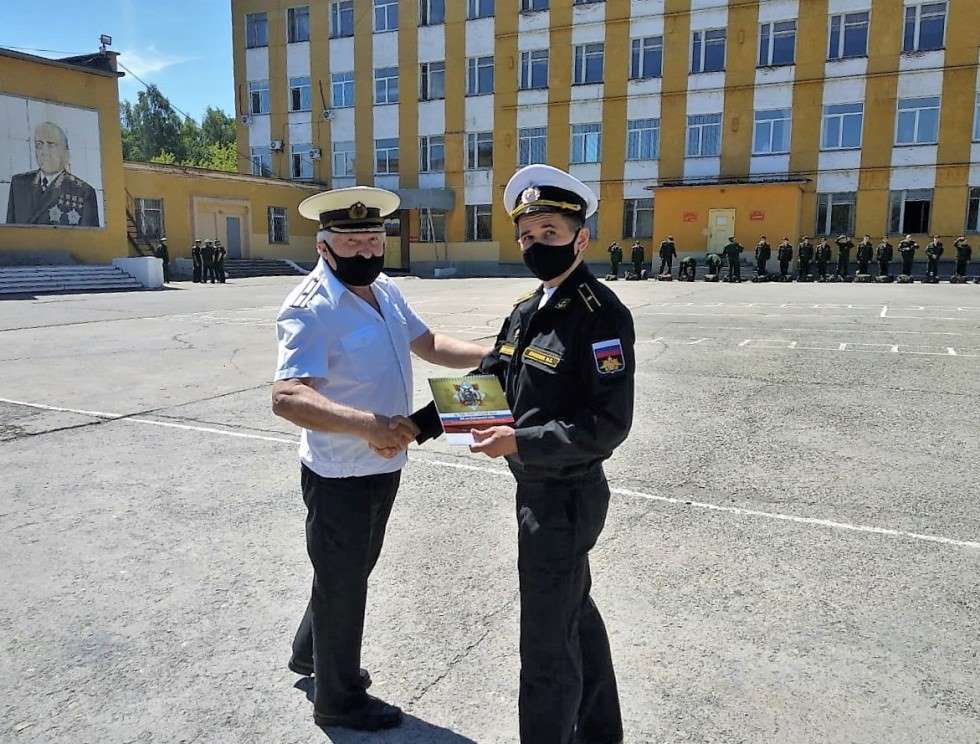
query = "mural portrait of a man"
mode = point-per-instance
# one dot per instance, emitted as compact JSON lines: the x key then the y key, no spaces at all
{"x":51,"y":195}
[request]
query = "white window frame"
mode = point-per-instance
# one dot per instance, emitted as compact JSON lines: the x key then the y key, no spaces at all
{"x":918,"y":106}
{"x":699,"y":49}
{"x":583,"y":59}
{"x":529,"y":139}
{"x":474,"y":80}
{"x":258,"y":97}
{"x":383,"y":149}
{"x":697,"y":125}
{"x":476,"y":142}
{"x":430,"y":145}
{"x":251,"y":33}
{"x":432,"y":225}
{"x":642,"y":139}
{"x":827,"y":201}
{"x":295,"y":32}
{"x":341,"y":11}
{"x":278,"y":217}
{"x":534,"y":6}
{"x":425,"y":13}
{"x":837,"y":111}
{"x":768,"y":32}
{"x":300,"y":162}
{"x":531,"y":61}
{"x":766,"y":119}
{"x":639,"y":48}
{"x":586,"y":142}
{"x":856,"y":19}
{"x":479,"y":9}
{"x":387,"y":79}
{"x":429,"y":71}
{"x":473,"y":214}
{"x":902,"y":196}
{"x":385,"y":16}
{"x":343,"y":159}
{"x":342,"y":83}
{"x":302,"y":87}
{"x":917,"y":13}
{"x":261,"y":158}
{"x":632,"y":211}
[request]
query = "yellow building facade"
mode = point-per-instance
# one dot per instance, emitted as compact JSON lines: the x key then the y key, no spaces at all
{"x":858,"y":116}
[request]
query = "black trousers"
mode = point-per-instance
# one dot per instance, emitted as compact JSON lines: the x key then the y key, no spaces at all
{"x":932,"y":267}
{"x":345,"y":529}
{"x":734,"y":269}
{"x":638,"y":268}
{"x":822,"y":268}
{"x":666,"y":263}
{"x":961,"y":267}
{"x":568,"y":692}
{"x":760,"y":266}
{"x":197,"y":273}
{"x":842,"y":266}
{"x":208,"y":273}
{"x":803,"y":267}
{"x":882,"y":268}
{"x":783,"y":266}
{"x":863,"y":266}
{"x":907,"y":265}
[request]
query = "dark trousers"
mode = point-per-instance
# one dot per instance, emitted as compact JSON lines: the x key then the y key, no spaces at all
{"x":822,"y":269}
{"x":666,"y":263}
{"x":932,"y":267}
{"x":209,"y":273}
{"x":734,"y":269}
{"x":638,"y":268}
{"x":803,"y":267}
{"x":842,"y":266}
{"x":960,"y":267}
{"x":862,"y":266}
{"x":784,"y":267}
{"x":219,"y":272}
{"x":760,"y":266}
{"x":907,"y":265}
{"x":197,"y":273}
{"x":614,"y":268}
{"x":345,"y":529}
{"x":882,"y":267}
{"x":568,"y":691}
{"x":166,"y":272}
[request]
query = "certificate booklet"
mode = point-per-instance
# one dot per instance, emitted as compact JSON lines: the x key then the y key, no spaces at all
{"x":472,"y":402}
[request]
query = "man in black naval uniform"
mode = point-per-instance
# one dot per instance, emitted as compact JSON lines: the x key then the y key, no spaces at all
{"x":804,"y":255}
{"x":197,"y":261}
{"x":963,"y":255}
{"x":219,"y":261}
{"x":763,"y":251}
{"x":51,"y":195}
{"x":668,"y":250}
{"x":883,"y":255}
{"x":844,"y":246}
{"x":822,"y":257}
{"x":565,"y":358}
{"x":785,"y":255}
{"x":865,"y":252}
{"x":638,"y":256}
{"x":934,"y":251}
{"x":733,"y":252}
{"x":163,"y":254}
{"x":207,"y":257}
{"x":907,"y":249}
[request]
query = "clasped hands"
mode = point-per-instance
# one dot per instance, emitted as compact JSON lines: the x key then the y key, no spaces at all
{"x":389,"y":435}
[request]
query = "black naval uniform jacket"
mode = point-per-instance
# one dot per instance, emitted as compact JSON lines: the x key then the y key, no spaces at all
{"x":568,"y":372}
{"x":67,"y":200}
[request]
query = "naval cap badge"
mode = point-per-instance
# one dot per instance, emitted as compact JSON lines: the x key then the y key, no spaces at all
{"x":358,"y":211}
{"x":530,"y":195}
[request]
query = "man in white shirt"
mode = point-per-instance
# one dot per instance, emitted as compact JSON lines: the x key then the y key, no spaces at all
{"x":344,"y":375}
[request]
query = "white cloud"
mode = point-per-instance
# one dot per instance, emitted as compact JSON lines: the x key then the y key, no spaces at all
{"x":148,"y":60}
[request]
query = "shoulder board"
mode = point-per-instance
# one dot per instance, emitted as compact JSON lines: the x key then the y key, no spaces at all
{"x":526,"y":296}
{"x":307,"y":291}
{"x":588,"y":297}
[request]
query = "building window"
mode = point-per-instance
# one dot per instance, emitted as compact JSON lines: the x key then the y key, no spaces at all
{"x":386,"y":156}
{"x":432,"y":81}
{"x":638,"y":218}
{"x":149,"y":218}
{"x":479,"y":76}
{"x":586,"y":143}
{"x":479,"y":150}
{"x":909,"y":213}
{"x":973,"y":211}
{"x":479,"y":9}
{"x":848,"y":35}
{"x":772,"y":130}
{"x":643,"y":139}
{"x":589,"y":60}
{"x":530,"y":6}
{"x":432,"y":154}
{"x":393,"y":226}
{"x":432,"y":12}
{"x":343,"y":159}
{"x":843,"y":124}
{"x":298,"y":24}
{"x":256,"y":30}
{"x":300,"y":97}
{"x":385,"y":16}
{"x":592,"y":224}
{"x":835,"y":214}
{"x":301,"y":163}
{"x":777,"y":43}
{"x":258,"y":95}
{"x":278,"y":232}
{"x":925,"y":27}
{"x":479,"y":221}
{"x":261,"y":161}
{"x":587,"y":2}
{"x":704,"y":135}
{"x":647,"y":58}
{"x":918,"y":121}
{"x":708,"y":51}
{"x":534,"y":69}
{"x":532,"y":145}
{"x":386,"y":85}
{"x":432,"y":225}
{"x":342,"y":89}
{"x":341,"y":18}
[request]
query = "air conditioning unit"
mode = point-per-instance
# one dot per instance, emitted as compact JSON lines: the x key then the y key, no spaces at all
{"x":276,"y":145}
{"x":316,"y":153}
{"x":327,"y":114}
{"x":245,"y":119}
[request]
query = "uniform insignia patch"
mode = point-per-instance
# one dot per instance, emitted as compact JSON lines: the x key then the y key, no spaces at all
{"x":506,"y":350}
{"x":54,"y":214}
{"x":541,"y":356}
{"x":307,"y":292}
{"x":588,"y":297}
{"x":609,"y":357}
{"x":562,"y":304}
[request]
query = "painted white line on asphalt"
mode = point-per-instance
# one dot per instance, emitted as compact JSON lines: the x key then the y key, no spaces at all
{"x":884,"y":312}
{"x":813,"y":521}
{"x":951,"y":351}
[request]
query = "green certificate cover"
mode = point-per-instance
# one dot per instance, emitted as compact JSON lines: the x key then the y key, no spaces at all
{"x":471,"y":402}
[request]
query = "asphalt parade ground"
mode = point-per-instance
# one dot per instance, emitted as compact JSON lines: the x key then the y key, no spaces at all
{"x":792,"y":553}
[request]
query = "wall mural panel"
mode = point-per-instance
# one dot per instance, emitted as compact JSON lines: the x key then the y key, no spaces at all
{"x":50,"y":164}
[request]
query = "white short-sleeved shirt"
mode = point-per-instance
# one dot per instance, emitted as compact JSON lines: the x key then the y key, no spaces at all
{"x":355,"y":357}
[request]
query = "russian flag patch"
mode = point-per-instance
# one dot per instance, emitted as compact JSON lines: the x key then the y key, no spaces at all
{"x":609,"y":357}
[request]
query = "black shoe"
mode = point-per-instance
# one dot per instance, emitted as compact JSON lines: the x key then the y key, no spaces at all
{"x":306,"y":670}
{"x":373,"y":715}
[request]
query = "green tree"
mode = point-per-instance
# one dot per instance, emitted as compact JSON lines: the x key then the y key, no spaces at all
{"x":218,"y":127}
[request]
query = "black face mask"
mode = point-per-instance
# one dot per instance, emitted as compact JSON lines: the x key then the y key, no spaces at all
{"x":357,"y":271}
{"x":548,"y":261}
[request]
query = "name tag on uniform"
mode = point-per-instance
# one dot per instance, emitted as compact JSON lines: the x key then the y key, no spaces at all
{"x":609,"y":357}
{"x":506,"y":350}
{"x":541,"y":356}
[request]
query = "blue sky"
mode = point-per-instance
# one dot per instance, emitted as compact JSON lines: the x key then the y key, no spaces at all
{"x":184,"y":46}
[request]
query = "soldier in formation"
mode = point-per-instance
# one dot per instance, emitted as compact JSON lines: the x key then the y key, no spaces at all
{"x":844,"y":246}
{"x":667,"y":252}
{"x":763,"y":252}
{"x":822,"y":257}
{"x":219,"y":261}
{"x":197,"y":261}
{"x":615,"y":259}
{"x":733,"y":252}
{"x":963,"y":255}
{"x":638,"y":258}
{"x":865,"y":252}
{"x":883,"y":255}
{"x":163,"y":254}
{"x":934,"y":252}
{"x":785,"y":255}
{"x":804,"y":255}
{"x":207,"y":256}
{"x":907,"y":249}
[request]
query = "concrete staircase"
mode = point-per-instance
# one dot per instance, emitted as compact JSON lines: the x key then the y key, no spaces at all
{"x":32,"y":280}
{"x":239,"y":268}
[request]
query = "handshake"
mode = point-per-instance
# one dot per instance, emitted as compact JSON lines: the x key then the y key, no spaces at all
{"x":389,"y":435}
